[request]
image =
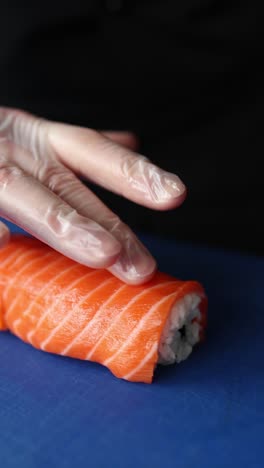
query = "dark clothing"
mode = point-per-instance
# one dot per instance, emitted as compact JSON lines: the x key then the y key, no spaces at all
{"x":182,"y":75}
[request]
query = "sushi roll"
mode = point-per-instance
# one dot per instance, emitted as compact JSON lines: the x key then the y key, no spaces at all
{"x":63,"y":307}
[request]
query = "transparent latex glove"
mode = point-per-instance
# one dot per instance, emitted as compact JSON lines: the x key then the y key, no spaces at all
{"x":40,"y":191}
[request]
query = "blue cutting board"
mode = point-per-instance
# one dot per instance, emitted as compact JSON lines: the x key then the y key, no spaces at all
{"x":208,"y":412}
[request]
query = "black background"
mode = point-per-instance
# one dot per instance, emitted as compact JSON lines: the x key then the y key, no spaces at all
{"x":185,"y":76}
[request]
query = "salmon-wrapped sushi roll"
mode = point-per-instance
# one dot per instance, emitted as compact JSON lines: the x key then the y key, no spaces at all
{"x":63,"y":307}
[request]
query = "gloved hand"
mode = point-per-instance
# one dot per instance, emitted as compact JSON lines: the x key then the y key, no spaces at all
{"x":40,"y":191}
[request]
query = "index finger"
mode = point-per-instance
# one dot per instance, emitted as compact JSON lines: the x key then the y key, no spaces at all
{"x":106,"y":163}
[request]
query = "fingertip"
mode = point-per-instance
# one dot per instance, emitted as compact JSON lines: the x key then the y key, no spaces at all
{"x":169,"y":188}
{"x":135,"y":265}
{"x":134,"y":275}
{"x":141,"y":279}
{"x":172,"y":203}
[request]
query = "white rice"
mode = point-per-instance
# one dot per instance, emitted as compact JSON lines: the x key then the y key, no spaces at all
{"x":180,"y":333}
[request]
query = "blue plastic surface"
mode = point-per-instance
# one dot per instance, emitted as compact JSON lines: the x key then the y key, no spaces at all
{"x":207,"y":412}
